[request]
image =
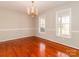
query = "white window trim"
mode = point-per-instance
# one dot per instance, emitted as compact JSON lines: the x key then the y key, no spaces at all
{"x":57,"y":20}
{"x":39,"y":25}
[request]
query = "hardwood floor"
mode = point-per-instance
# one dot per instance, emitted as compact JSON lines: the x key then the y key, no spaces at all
{"x":35,"y":47}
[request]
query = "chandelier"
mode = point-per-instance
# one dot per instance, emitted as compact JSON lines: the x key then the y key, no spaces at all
{"x":32,"y":11}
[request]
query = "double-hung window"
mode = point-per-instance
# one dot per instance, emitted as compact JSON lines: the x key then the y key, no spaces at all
{"x":41,"y":25}
{"x":63,"y":23}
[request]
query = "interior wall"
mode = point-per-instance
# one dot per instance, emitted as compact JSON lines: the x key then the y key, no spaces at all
{"x":50,"y":17}
{"x":15,"y":24}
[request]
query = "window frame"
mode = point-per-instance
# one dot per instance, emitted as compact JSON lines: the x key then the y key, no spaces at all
{"x":57,"y":25}
{"x":40,"y":24}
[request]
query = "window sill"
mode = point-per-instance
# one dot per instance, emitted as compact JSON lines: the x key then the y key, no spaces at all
{"x":65,"y":37}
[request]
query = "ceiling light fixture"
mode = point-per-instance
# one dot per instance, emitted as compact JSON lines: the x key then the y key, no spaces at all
{"x":32,"y":11}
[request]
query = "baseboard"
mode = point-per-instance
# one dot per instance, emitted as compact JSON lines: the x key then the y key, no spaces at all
{"x":60,"y":47}
{"x":63,"y":48}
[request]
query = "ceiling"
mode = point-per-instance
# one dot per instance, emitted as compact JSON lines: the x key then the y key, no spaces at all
{"x":22,"y":5}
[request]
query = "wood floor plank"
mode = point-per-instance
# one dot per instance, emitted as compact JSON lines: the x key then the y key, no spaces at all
{"x":35,"y":47}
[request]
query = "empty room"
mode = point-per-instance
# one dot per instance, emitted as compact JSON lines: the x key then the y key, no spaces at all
{"x":39,"y":29}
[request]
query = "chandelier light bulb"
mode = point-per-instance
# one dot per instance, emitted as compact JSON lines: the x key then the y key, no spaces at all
{"x":32,"y":11}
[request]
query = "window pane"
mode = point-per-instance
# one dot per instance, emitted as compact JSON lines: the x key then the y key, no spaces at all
{"x":42,"y":29}
{"x":65,"y":19}
{"x":65,"y":29}
{"x":58,"y":31}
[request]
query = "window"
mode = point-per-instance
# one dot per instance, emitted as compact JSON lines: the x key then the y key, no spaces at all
{"x":63,"y":23}
{"x":41,"y":25}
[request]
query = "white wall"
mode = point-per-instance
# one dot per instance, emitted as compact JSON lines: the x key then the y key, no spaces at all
{"x":14,"y":24}
{"x":50,"y":33}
